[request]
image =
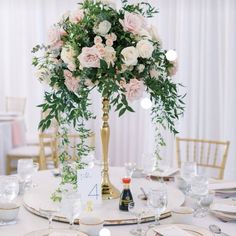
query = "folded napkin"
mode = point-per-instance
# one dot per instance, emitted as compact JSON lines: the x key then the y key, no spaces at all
{"x":223,"y":186}
{"x":165,"y":172}
{"x":171,"y":231}
{"x":228,"y":208}
{"x":63,"y":234}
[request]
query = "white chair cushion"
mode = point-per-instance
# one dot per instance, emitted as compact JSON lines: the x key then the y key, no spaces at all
{"x":29,"y":151}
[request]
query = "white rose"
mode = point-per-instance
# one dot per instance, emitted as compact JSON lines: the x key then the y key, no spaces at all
{"x":145,"y":34}
{"x":110,"y":55}
{"x":141,"y":68}
{"x":103,"y":28}
{"x":44,"y":75}
{"x":130,"y":55}
{"x":153,"y":32}
{"x":145,"y":48}
{"x":68,"y":56}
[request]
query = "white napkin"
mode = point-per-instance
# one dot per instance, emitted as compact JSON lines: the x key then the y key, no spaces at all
{"x":165,"y":172}
{"x":171,"y":231}
{"x":223,"y":207}
{"x":63,"y":234}
{"x":220,"y":186}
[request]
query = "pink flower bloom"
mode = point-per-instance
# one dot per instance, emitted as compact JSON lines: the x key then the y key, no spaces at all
{"x":134,"y":89}
{"x":71,"y":82}
{"x":54,"y":37}
{"x":97,"y":40}
{"x":89,"y":57}
{"x":109,"y":42}
{"x":122,"y":83}
{"x":133,"y":23}
{"x":76,"y":15}
{"x":173,"y":69}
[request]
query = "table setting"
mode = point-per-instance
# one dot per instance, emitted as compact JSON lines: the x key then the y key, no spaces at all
{"x":33,"y":213}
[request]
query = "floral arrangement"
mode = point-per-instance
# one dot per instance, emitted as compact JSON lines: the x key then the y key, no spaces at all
{"x":115,"y":51}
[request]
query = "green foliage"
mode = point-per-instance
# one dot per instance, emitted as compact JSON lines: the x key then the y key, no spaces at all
{"x":69,"y":106}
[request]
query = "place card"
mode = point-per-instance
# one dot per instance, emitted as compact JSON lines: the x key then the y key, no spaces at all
{"x":89,"y":185}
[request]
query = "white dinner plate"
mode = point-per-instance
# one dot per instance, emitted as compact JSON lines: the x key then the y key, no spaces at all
{"x":48,"y":232}
{"x":191,"y":229}
{"x":221,"y":212}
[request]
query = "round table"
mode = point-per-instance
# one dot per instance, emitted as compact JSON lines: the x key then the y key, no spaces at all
{"x":28,"y":222}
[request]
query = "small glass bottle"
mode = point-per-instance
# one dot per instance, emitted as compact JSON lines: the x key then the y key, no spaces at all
{"x":126,"y":195}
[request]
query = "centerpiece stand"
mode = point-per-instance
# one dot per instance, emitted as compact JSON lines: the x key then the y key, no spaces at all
{"x":108,"y":190}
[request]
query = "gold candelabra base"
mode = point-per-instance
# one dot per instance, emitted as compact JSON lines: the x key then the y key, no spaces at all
{"x":108,"y":190}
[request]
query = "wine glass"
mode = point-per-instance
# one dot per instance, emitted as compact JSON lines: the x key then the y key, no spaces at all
{"x":49,"y":210}
{"x":71,"y":206}
{"x":25,"y":171}
{"x":157,"y":201}
{"x":9,"y":188}
{"x":35,"y":171}
{"x":129,"y":168}
{"x":199,"y":190}
{"x":138,"y":211}
{"x":149,"y":163}
{"x":188,"y":171}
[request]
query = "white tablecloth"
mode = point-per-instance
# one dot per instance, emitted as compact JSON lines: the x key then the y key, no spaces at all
{"x":28,"y":222}
{"x":6,"y":140}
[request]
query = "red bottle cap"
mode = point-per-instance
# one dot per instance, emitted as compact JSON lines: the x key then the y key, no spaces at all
{"x":126,"y":180}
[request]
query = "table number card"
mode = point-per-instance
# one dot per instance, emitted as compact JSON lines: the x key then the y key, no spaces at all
{"x":89,"y":184}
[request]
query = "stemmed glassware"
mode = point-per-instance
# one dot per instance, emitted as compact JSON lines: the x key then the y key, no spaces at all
{"x":149,"y":164}
{"x":71,"y":206}
{"x":188,"y":171}
{"x":49,"y":210}
{"x":199,"y":190}
{"x":129,"y":169}
{"x":157,"y":201}
{"x":25,"y":169}
{"x":138,"y":211}
{"x":9,"y":188}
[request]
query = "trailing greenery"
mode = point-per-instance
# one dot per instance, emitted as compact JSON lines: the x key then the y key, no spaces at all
{"x":115,"y":52}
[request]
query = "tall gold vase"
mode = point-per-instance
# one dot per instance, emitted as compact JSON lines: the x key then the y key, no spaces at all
{"x":108,"y":190}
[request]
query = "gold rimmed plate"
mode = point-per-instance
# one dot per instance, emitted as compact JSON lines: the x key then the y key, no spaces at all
{"x":191,"y":229}
{"x":48,"y":232}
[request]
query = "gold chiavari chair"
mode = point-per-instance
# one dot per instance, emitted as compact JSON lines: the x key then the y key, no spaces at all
{"x":208,"y":154}
{"x":53,"y":142}
{"x":16,"y":104}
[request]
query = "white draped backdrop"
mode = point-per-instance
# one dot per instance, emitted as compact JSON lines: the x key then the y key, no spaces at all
{"x":202,"y":31}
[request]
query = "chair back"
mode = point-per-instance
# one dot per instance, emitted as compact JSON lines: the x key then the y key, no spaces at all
{"x":53,"y":141}
{"x":16,"y":104}
{"x":209,"y":155}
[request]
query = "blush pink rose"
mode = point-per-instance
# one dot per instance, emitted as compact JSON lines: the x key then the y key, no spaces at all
{"x":109,"y":42}
{"x":134,"y":89}
{"x":89,"y":57}
{"x":54,"y":37}
{"x":173,"y":69}
{"x":71,"y":82}
{"x":133,"y":23}
{"x":76,"y":15}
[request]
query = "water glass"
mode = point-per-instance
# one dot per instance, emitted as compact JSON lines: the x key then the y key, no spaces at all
{"x":137,"y":211}
{"x":129,"y":169}
{"x":49,"y":210}
{"x":71,"y":206}
{"x":25,"y":170}
{"x":188,"y":171}
{"x":157,"y":201}
{"x":9,"y":188}
{"x":199,"y":190}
